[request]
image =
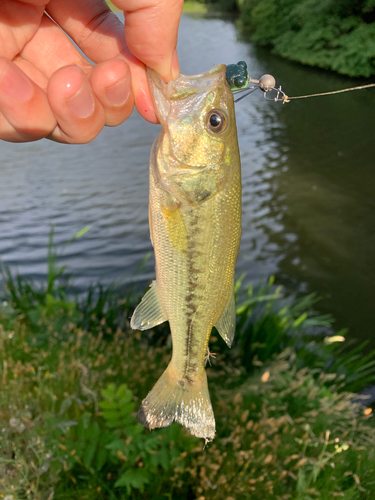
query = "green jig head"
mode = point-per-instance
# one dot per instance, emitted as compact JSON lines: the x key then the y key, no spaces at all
{"x":238,"y":80}
{"x":237,"y":75}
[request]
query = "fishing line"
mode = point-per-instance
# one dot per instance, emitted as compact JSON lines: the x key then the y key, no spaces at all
{"x":238,"y":78}
{"x":286,"y":98}
{"x":281,"y":96}
{"x":246,"y":94}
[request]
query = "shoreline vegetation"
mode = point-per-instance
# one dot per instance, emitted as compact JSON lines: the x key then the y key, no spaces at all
{"x":338,"y":35}
{"x":72,"y":372}
{"x":335,"y":35}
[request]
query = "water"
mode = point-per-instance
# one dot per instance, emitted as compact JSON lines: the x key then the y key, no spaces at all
{"x":308,"y":187}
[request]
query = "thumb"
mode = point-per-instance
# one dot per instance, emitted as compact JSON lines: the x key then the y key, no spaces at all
{"x":151,"y":28}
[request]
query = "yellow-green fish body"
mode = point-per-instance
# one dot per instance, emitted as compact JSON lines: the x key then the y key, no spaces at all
{"x":195,"y":226}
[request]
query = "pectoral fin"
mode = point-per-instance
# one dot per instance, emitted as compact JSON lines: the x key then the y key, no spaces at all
{"x":149,"y":312}
{"x":175,"y":225}
{"x":226,"y":325}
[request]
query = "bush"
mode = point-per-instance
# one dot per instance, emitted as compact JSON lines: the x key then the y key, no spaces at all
{"x":337,"y":35}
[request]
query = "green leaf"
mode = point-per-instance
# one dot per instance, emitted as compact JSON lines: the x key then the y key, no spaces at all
{"x":108,"y":405}
{"x":299,"y":320}
{"x":136,"y":479}
{"x":135,"y":429}
{"x":89,"y":455}
{"x":110,"y":391}
{"x":78,"y":235}
{"x":101,"y":457}
{"x":164,"y":458}
{"x":117,"y":445}
{"x":123,"y":392}
{"x":152,"y":442}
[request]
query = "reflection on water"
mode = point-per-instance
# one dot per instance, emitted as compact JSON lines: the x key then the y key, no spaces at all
{"x":326,"y":194}
{"x":308,"y":182}
{"x":75,"y":186}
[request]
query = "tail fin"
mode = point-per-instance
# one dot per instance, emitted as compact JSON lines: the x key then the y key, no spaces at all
{"x":182,"y":401}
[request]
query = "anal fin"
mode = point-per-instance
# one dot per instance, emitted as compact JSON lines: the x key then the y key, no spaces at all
{"x":226,"y":325}
{"x":149,"y":312}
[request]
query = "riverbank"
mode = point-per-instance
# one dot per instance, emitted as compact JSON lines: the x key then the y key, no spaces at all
{"x":73,"y":374}
{"x":338,"y":36}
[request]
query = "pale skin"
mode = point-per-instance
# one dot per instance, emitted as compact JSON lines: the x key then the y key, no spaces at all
{"x":48,"y":89}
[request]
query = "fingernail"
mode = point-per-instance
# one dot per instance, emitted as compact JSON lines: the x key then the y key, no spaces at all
{"x":82,"y":104}
{"x":16,"y":85}
{"x":175,"y":65}
{"x":118,"y":94}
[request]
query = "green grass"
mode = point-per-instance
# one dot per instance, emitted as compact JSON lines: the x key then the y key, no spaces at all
{"x":72,"y":375}
{"x":195,"y":7}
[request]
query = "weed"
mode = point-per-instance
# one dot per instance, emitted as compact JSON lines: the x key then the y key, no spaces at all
{"x":72,"y":374}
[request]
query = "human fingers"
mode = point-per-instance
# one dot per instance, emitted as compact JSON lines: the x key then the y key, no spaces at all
{"x":50,"y":49}
{"x":25,"y":114}
{"x":100,"y":35}
{"x":111,"y":82}
{"x":151,"y":30}
{"x":79,"y":114}
{"x":18,"y":23}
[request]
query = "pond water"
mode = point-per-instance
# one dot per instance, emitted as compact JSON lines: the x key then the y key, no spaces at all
{"x":308,"y":187}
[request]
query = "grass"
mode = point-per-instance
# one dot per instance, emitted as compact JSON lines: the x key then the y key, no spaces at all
{"x":189,"y":7}
{"x":195,"y":7}
{"x":73,"y":374}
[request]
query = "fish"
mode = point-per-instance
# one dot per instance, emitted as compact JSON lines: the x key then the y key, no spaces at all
{"x":195,"y":229}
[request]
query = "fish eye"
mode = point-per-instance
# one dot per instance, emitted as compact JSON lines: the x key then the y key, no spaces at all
{"x":216,"y":121}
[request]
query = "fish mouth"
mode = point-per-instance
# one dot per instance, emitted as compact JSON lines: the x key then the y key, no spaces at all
{"x":188,"y":84}
{"x":163,"y":94}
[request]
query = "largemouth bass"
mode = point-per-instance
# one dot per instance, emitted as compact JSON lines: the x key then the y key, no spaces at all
{"x":195,"y":226}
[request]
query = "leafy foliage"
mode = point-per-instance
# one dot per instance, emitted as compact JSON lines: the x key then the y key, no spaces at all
{"x":331,"y":34}
{"x":287,"y":426}
{"x":335,"y":34}
{"x":114,"y":451}
{"x":288,"y":436}
{"x":101,"y":310}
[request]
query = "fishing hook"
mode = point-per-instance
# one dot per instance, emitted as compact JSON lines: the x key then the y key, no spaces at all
{"x":277,"y":98}
{"x":266,"y":84}
{"x":247,"y":93}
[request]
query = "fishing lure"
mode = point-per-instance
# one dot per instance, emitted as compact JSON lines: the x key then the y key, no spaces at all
{"x":238,"y":80}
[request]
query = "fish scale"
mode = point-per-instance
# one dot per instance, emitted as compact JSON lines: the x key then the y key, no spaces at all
{"x":195,"y":227}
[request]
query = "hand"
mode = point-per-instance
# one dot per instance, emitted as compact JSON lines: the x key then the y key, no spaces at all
{"x":49,"y":89}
